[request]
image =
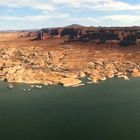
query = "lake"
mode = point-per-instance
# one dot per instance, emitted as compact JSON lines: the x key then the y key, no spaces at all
{"x":106,"y":111}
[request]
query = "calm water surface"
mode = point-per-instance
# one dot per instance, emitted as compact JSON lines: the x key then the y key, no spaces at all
{"x":106,"y":111}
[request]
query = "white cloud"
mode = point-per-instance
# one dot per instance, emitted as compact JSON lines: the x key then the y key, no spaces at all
{"x":56,"y":5}
{"x":34,"y":18}
{"x":9,"y":18}
{"x":36,"y":4}
{"x":86,"y":19}
{"x":99,"y":5}
{"x":41,"y":6}
{"x":124,"y":18}
{"x":29,"y":18}
{"x":55,"y":9}
{"x":111,"y":5}
{"x":51,"y":5}
{"x":56,"y":14}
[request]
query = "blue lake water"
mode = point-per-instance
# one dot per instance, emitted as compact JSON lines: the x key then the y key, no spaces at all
{"x":106,"y":111}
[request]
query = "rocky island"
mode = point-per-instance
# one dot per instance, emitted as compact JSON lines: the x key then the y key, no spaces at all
{"x":62,"y":56}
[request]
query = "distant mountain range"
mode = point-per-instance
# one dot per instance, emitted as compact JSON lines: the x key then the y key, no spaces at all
{"x":26,"y":30}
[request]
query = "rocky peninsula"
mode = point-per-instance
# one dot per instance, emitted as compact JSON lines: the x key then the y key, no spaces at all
{"x":53,"y":61}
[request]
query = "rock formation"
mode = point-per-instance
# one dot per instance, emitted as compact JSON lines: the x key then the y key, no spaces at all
{"x":51,"y":61}
{"x":123,"y":36}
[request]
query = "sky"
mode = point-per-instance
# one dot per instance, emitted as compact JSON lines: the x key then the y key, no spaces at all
{"x":37,"y":14}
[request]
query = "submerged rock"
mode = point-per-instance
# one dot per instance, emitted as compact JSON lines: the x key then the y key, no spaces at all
{"x":10,"y":86}
{"x":37,"y":86}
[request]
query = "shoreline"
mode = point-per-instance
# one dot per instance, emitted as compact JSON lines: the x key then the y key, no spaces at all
{"x":38,"y":62}
{"x":64,"y":73}
{"x":81,"y":83}
{"x":41,"y":85}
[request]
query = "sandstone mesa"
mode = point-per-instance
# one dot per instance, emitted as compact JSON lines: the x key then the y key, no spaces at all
{"x":64,"y":60}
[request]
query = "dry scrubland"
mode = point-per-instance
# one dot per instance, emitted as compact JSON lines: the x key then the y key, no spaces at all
{"x":52,"y":62}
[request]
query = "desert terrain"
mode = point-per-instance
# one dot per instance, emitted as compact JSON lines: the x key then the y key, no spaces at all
{"x":60,"y":60}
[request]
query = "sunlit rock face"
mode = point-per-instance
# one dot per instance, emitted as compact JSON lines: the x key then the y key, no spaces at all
{"x":62,"y":60}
